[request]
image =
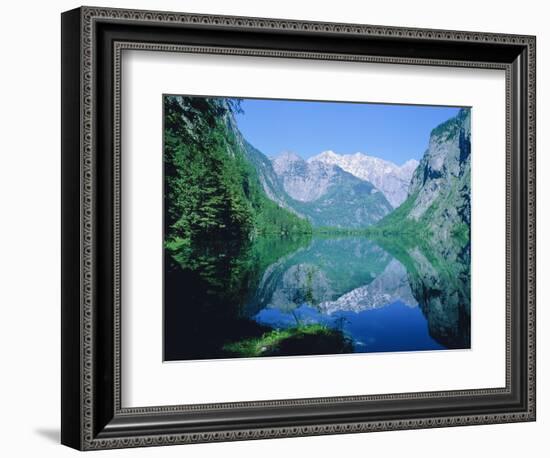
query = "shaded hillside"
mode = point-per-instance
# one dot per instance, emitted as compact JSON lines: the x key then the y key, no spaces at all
{"x":212,"y":190}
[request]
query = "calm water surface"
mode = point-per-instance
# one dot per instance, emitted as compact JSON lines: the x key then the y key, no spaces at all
{"x":378,"y":299}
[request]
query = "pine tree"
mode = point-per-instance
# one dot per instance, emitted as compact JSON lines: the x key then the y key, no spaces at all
{"x":212,"y":192}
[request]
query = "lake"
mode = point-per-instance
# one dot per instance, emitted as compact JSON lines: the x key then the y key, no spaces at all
{"x":315,"y":295}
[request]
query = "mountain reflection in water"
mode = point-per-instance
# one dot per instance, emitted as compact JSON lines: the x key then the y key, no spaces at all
{"x":320,"y":295}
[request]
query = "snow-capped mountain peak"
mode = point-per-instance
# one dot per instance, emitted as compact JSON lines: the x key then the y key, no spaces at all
{"x":285,"y":156}
{"x":328,"y":195}
{"x":302,"y":180}
{"x":392,"y":180}
{"x":326,"y":156}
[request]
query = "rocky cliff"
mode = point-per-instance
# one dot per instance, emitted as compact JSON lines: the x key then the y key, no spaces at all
{"x":328,"y":195}
{"x":439,"y":193}
{"x":392,"y":180}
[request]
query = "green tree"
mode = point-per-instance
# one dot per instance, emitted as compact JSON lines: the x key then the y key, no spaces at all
{"x":211,"y":190}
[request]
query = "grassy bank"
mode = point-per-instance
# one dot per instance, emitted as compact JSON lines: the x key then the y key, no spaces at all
{"x":312,"y":339}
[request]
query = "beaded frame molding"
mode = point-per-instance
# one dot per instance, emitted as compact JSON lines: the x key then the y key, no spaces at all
{"x":93,"y":40}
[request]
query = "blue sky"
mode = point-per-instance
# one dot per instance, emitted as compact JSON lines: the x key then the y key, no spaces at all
{"x":393,"y":132}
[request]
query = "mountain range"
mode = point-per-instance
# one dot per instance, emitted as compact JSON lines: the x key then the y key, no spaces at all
{"x":391,"y":179}
{"x":251,"y":240}
{"x":220,"y":185}
{"x":327,"y":195}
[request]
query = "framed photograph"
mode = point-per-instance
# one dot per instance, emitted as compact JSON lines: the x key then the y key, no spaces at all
{"x":277,"y":228}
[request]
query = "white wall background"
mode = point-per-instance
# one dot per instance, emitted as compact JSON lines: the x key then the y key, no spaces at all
{"x":30,"y":214}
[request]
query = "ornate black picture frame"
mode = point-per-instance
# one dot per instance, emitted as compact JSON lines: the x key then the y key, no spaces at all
{"x":92,"y":42}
